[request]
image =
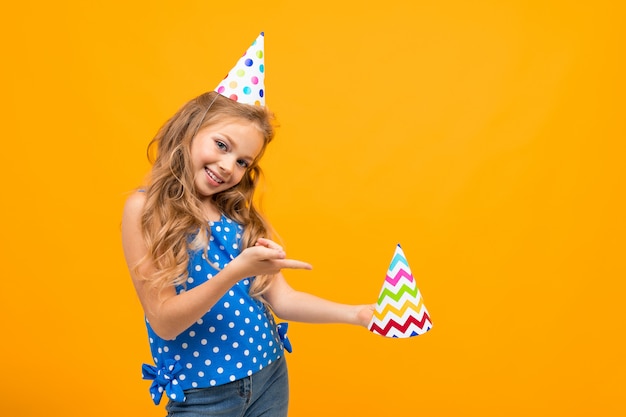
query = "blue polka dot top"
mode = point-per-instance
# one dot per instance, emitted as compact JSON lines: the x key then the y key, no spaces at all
{"x":234,"y":339}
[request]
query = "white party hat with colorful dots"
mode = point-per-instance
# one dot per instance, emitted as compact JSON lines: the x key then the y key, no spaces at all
{"x":245,"y":83}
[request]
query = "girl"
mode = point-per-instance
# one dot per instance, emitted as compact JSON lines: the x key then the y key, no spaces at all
{"x":206,"y":271}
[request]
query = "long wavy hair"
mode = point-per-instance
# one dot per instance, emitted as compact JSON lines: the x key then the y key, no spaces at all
{"x":173,"y":212}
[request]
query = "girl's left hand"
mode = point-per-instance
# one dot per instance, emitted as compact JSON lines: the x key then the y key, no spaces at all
{"x":365,"y":313}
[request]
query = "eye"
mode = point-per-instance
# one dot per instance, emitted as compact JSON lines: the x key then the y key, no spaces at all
{"x":243,"y":163}
{"x":221,"y":145}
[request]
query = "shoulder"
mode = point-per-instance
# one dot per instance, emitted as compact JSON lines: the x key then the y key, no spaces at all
{"x":133,"y":208}
{"x":132,"y":235}
{"x":135,"y":203}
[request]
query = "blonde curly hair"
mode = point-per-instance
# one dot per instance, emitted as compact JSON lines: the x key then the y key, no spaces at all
{"x":172,"y":211}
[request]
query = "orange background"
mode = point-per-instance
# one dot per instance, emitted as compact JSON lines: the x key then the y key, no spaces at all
{"x":486,"y":137}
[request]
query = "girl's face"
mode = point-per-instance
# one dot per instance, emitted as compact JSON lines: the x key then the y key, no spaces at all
{"x":221,"y":154}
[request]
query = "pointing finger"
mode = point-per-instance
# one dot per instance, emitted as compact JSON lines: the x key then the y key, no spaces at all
{"x":293,"y":264}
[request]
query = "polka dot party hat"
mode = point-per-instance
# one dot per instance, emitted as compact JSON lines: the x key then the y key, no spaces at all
{"x":245,"y":83}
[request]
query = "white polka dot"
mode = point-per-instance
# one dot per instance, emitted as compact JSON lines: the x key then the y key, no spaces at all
{"x":213,"y":382}
{"x":241,"y":332}
{"x":194,"y":384}
{"x":249,"y":373}
{"x":256,"y":328}
{"x":177,"y":357}
{"x":237,"y":313}
{"x":204,"y":341}
{"x":198,"y":268}
{"x":246,"y":282}
{"x":242,"y":301}
{"x":226,"y":304}
{"x":218,"y":229}
{"x":166,"y":349}
{"x":235,"y":246}
{"x":247,"y":320}
{"x":192,"y":333}
{"x":227,"y":357}
{"x":173,"y":396}
{"x":235,"y":345}
{"x":190,"y":280}
{"x":216,"y":349}
{"x":246,"y":352}
{"x":189,"y":366}
{"x":231,"y":325}
{"x":196,"y":354}
{"x":232,"y":378}
{"x":220,"y":370}
{"x":227,"y":229}
{"x":182,"y":377}
{"x":222,"y":247}
{"x":220,"y":317}
{"x":201,"y":374}
{"x":231,"y":293}
{"x":185,"y":345}
{"x":211,"y":329}
{"x":207,"y":362}
{"x":239,"y":365}
{"x":224,"y":337}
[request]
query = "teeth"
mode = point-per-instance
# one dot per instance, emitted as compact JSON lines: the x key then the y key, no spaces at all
{"x":213,"y":177}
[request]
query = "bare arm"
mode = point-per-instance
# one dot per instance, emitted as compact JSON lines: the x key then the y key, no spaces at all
{"x":289,"y":304}
{"x":170,"y":314}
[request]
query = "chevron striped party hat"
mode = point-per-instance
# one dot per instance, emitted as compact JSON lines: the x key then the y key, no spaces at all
{"x":245,"y":83}
{"x":400,"y":310}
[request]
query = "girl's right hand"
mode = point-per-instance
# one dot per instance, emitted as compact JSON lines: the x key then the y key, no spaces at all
{"x":266,"y":258}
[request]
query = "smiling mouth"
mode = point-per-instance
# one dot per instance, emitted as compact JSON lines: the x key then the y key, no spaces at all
{"x":213,"y":176}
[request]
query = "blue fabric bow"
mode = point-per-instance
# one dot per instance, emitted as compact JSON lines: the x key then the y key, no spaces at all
{"x":282,"y":333}
{"x":164,"y":379}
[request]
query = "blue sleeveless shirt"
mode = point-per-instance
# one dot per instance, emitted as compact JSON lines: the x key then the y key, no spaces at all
{"x":234,"y":339}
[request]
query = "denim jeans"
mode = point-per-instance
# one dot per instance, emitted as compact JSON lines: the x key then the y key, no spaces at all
{"x":265,"y":393}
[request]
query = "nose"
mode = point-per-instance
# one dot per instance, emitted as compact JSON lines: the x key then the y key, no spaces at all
{"x":227,"y":165}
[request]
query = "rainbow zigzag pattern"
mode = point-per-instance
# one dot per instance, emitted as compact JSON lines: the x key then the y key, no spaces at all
{"x":400,"y":310}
